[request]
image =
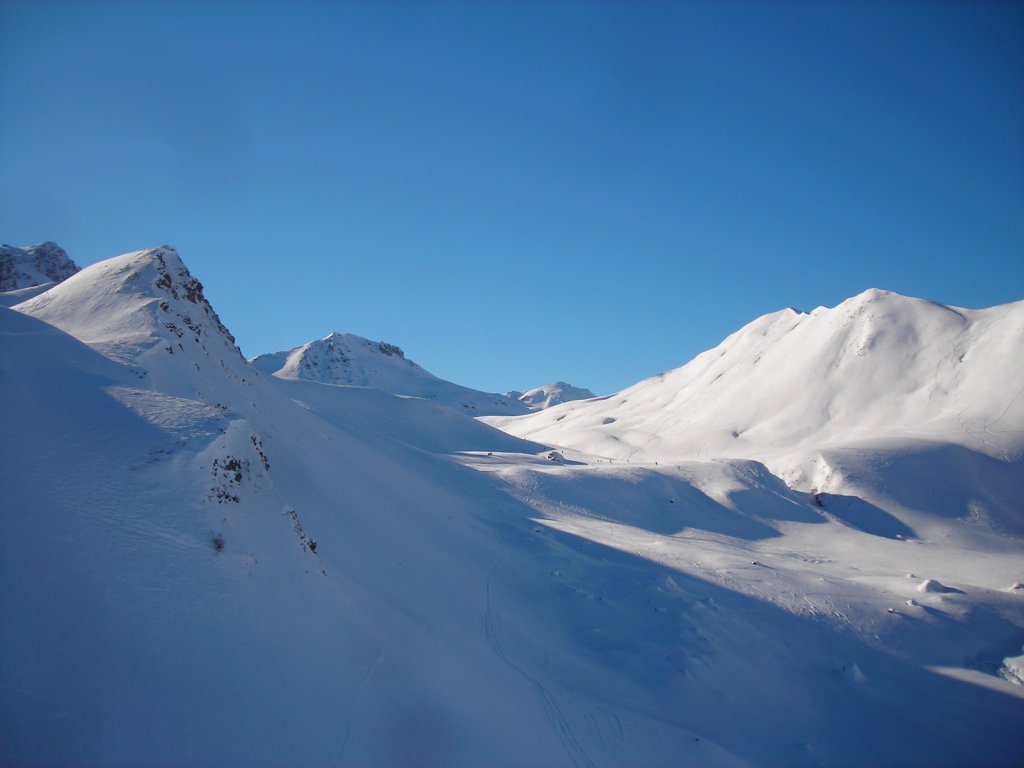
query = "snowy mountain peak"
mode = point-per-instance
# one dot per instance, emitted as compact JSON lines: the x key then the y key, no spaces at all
{"x":34,"y":265}
{"x":877,"y":302}
{"x":549,"y":395}
{"x":342,"y":358}
{"x":350,"y":360}
{"x":391,"y":350}
{"x":143,"y":307}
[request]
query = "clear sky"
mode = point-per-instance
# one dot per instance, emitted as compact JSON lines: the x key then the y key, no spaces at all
{"x":520,"y":192}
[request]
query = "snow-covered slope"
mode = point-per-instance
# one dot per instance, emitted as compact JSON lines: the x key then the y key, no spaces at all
{"x":204,"y":565}
{"x":25,"y":272}
{"x":559,"y":392}
{"x":343,"y":358}
{"x":879,"y":365}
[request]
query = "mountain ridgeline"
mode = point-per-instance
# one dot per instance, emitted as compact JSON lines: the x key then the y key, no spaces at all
{"x":344,"y":358}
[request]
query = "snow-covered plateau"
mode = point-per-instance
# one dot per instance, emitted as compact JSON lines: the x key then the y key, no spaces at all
{"x":803,"y":548}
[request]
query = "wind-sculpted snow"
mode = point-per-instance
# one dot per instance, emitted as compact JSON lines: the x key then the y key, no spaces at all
{"x":343,"y":358}
{"x":205,"y":565}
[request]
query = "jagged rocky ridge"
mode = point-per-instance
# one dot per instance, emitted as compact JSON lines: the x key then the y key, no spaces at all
{"x":26,"y":272}
{"x":33,"y":265}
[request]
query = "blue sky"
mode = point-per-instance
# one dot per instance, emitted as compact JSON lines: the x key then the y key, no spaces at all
{"x":519,"y":192}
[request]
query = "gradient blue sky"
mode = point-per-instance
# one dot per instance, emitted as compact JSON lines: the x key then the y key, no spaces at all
{"x":519,"y":192}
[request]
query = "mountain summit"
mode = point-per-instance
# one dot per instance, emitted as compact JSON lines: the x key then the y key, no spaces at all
{"x":146,"y":309}
{"x":556,"y":393}
{"x":344,"y":358}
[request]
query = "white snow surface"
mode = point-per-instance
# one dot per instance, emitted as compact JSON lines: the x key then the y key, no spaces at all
{"x":31,"y":267}
{"x":344,"y":358}
{"x":206,"y":565}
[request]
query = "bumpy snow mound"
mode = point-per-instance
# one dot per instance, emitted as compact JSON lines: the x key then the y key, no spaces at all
{"x":878,"y":365}
{"x":559,"y":392}
{"x":933,"y":585}
{"x":33,"y":265}
{"x":347,"y":359}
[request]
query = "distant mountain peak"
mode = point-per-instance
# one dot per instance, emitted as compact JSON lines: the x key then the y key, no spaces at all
{"x":34,"y":265}
{"x":351,"y":360}
{"x":556,"y":393}
{"x":336,"y":337}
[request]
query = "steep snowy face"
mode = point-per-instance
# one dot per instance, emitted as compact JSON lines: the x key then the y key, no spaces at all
{"x":879,"y":365}
{"x":347,"y":359}
{"x":33,"y":265}
{"x":144,"y":308}
{"x":559,"y":392}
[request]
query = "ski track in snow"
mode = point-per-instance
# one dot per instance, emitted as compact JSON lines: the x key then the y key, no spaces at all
{"x":356,"y":695}
{"x":556,"y":718}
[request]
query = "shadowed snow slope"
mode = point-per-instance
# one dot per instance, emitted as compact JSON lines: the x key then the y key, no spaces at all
{"x":205,"y":565}
{"x":343,"y":358}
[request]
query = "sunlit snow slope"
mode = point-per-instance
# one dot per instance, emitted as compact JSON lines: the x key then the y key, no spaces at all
{"x":206,"y":565}
{"x":877,"y":365}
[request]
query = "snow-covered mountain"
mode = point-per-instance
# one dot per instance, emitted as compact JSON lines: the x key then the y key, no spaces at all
{"x":344,"y":358}
{"x":26,"y":272}
{"x":145,"y":309}
{"x":879,"y":365}
{"x":872,"y":399}
{"x":559,"y":392}
{"x":206,"y":565}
